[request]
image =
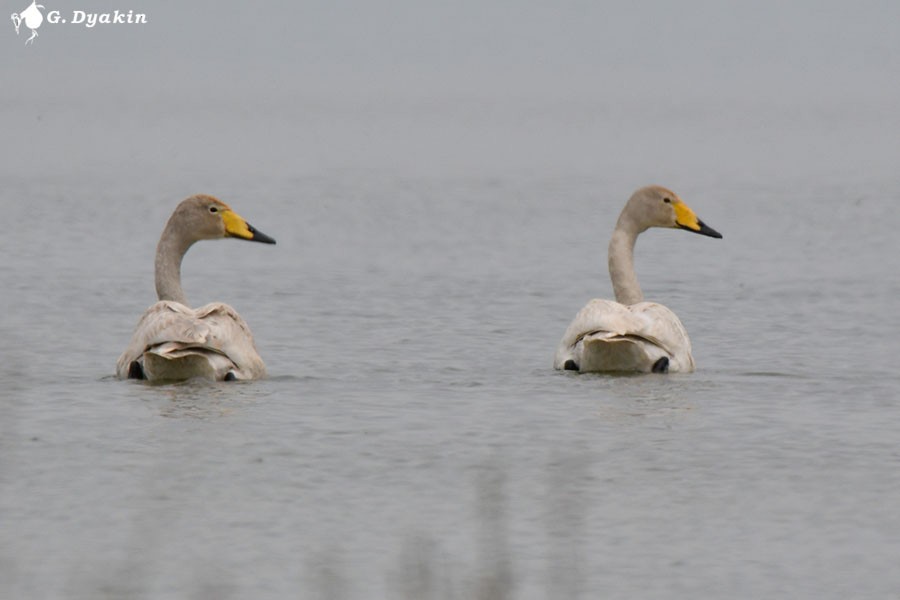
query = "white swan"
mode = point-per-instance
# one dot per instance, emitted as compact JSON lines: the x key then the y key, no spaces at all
{"x":630,"y":334}
{"x":174,"y":342}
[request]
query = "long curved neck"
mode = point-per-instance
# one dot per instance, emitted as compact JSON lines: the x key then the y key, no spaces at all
{"x":169,"y":252}
{"x":621,"y":262}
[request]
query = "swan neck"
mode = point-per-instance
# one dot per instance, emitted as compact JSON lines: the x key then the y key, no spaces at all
{"x":621,"y":263}
{"x":169,"y":252}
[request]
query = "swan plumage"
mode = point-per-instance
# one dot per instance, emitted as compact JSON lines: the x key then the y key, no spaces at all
{"x":173,"y":341}
{"x":629,"y":334}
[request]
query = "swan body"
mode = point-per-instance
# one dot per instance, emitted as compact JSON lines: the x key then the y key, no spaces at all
{"x":174,"y":342}
{"x":609,"y":336}
{"x":629,"y":334}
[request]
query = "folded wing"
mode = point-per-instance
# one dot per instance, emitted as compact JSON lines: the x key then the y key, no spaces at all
{"x":609,"y":336}
{"x":174,"y":342}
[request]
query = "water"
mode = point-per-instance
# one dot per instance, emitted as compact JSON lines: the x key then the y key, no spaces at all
{"x":434,"y":241}
{"x":412,"y":435}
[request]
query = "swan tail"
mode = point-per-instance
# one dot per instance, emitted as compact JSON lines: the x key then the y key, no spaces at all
{"x":605,"y":351}
{"x":174,"y":361}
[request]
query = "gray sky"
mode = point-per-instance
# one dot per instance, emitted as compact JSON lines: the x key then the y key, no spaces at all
{"x":404,"y":85}
{"x":699,"y":44}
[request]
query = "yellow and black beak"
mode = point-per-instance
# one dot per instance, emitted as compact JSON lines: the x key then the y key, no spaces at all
{"x":236,"y":226}
{"x":686,"y":219}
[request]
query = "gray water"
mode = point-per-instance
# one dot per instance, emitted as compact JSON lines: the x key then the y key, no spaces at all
{"x":442,"y":188}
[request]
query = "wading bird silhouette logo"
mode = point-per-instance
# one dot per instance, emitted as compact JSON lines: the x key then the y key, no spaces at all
{"x":32,"y":17}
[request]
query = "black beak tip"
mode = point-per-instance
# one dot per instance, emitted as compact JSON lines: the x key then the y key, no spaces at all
{"x":259,"y":236}
{"x":707,"y":230}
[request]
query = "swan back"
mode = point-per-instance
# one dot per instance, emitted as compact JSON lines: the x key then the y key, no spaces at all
{"x":609,"y":336}
{"x":174,"y":342}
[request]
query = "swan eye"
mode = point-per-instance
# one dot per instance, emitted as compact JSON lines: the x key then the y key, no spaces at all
{"x":213,"y":209}
{"x":667,"y":200}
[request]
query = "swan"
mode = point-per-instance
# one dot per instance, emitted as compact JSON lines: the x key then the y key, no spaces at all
{"x":174,"y":342}
{"x":630,"y":334}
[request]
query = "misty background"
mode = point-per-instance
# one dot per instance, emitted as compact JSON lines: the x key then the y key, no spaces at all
{"x":629,"y":92}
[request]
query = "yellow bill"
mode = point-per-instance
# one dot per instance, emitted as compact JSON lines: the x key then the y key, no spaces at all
{"x":685,"y":218}
{"x":236,"y":226}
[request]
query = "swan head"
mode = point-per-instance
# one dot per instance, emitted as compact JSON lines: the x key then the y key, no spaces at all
{"x":656,"y":206}
{"x":204,"y":217}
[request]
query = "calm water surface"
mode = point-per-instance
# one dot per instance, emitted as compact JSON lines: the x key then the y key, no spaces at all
{"x":442,"y":180}
{"x":412,"y":440}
